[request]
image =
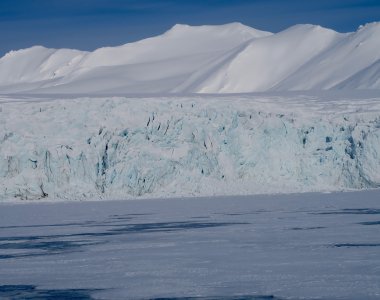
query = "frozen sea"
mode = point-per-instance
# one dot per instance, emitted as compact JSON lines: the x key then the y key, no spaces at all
{"x":296,"y":246}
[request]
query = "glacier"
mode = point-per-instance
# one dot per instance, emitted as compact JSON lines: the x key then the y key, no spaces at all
{"x":78,"y":148}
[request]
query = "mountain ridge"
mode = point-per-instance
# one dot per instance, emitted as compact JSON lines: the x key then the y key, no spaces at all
{"x":229,"y":58}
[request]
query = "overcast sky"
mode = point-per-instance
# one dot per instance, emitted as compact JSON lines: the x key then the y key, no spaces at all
{"x":89,"y":24}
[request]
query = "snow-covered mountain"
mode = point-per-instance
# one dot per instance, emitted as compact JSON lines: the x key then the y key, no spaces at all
{"x":231,"y":58}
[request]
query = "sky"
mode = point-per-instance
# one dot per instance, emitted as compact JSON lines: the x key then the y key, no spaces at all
{"x":90,"y":24}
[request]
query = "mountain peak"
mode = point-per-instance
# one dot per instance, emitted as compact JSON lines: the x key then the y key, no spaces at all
{"x":369,"y":25}
{"x":369,"y":28}
{"x":208,"y":58}
{"x":235,"y":27}
{"x":307,"y":28}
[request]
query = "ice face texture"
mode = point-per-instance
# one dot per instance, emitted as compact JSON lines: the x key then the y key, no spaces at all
{"x":93,"y":148}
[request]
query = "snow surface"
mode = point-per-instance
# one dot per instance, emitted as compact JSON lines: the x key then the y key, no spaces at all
{"x":308,"y":246}
{"x":231,"y":58}
{"x":118,"y":147}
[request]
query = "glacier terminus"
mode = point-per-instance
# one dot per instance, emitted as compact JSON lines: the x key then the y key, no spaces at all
{"x":128,"y":147}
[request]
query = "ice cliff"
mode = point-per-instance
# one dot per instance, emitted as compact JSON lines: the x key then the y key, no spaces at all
{"x":92,"y":148}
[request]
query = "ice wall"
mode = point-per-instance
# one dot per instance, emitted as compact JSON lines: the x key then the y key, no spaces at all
{"x":183,"y":146}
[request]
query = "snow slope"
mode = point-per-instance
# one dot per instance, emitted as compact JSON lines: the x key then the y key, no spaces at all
{"x":350,"y":55}
{"x":152,"y":65}
{"x":266,"y":62}
{"x":91,"y":148}
{"x":231,"y":58}
{"x":367,"y":78}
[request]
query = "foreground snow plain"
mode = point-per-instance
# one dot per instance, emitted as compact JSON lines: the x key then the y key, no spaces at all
{"x":300,"y":246}
{"x":76,"y":148}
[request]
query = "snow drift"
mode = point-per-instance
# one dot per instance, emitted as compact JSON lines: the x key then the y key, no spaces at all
{"x":91,"y":148}
{"x":231,"y":58}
